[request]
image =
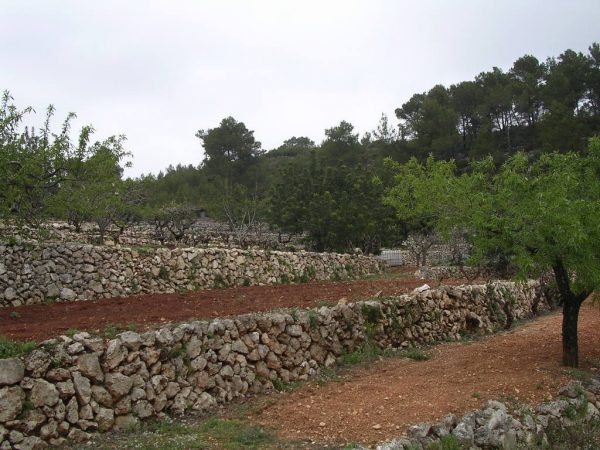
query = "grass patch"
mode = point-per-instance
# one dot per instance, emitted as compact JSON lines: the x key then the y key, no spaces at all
{"x":14,"y":349}
{"x":327,"y":303}
{"x":449,"y":442}
{"x":235,"y":434}
{"x":169,"y":434}
{"x":284,"y":386}
{"x":327,"y":374}
{"x":367,"y":352}
{"x":71,"y":332}
{"x":578,"y":374}
{"x":581,"y":435}
{"x":414,"y":353}
{"x":112,"y":330}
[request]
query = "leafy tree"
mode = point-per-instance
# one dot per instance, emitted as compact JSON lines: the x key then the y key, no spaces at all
{"x":31,"y":164}
{"x":341,"y":146}
{"x":229,"y":148}
{"x":92,"y":182}
{"x":47,"y":175}
{"x":541,"y":216}
{"x":339,"y":208}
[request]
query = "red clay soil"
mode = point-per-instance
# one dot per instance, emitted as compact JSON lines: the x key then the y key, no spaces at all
{"x":38,"y":322}
{"x":377,"y":402}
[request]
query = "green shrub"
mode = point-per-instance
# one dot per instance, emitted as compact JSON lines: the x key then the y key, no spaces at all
{"x":14,"y":349}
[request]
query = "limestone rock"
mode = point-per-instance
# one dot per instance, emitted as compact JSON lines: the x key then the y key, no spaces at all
{"x":131,"y":340}
{"x":82,"y":388}
{"x":67,"y":294}
{"x":102,"y":396}
{"x":89,"y":365}
{"x":118,"y":384}
{"x":77,"y":435}
{"x":114,"y":354}
{"x":12,"y":371}
{"x":105,"y":418}
{"x":11,"y":402}
{"x":43,"y":393}
{"x":37,"y":363}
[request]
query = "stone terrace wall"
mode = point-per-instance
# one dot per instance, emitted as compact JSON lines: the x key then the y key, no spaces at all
{"x":70,"y":387}
{"x":202,"y":233}
{"x":498,"y":426}
{"x":67,"y":272}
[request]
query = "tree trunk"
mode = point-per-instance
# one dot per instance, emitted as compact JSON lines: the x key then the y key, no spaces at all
{"x":569,"y":333}
{"x":571,"y":305}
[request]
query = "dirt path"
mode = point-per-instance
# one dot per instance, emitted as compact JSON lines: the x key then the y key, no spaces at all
{"x":378,"y":402}
{"x":40,"y":322}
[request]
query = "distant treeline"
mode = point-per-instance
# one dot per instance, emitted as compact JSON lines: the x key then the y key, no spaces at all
{"x":331,"y":190}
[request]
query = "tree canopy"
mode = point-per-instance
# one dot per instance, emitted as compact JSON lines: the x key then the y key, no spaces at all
{"x":540,"y":215}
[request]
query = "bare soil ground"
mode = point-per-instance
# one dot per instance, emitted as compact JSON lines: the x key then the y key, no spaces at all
{"x":38,"y":322}
{"x":376,"y":402}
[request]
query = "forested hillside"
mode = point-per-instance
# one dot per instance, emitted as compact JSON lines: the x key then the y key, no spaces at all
{"x":330,"y":190}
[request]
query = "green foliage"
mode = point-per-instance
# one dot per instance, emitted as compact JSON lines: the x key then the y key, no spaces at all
{"x":533,"y":216}
{"x":112,"y":330}
{"x":229,"y":148}
{"x":283,"y":386}
{"x":219,"y":281}
{"x":25,"y":409}
{"x":414,"y":353}
{"x":163,"y":273}
{"x":313,"y":319}
{"x":535,"y":106}
{"x":583,"y":435}
{"x":46,"y":174}
{"x":14,"y":349}
{"x":339,"y":207}
{"x":235,"y":434}
{"x":449,"y":442}
{"x":371,"y":313}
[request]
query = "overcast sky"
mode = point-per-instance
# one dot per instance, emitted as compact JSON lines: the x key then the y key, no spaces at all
{"x":157,"y":71}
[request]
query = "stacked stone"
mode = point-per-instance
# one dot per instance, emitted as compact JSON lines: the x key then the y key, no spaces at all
{"x":68,"y":272}
{"x":203,"y":233}
{"x":496,"y":426}
{"x":70,"y":387}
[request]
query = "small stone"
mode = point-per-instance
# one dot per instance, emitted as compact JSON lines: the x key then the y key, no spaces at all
{"x":96,"y":286}
{"x":67,"y":294}
{"x":78,"y":435}
{"x":10,"y":294}
{"x":322,"y":424}
{"x":376,"y":427}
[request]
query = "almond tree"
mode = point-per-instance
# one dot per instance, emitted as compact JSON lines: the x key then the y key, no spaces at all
{"x":539,"y":216}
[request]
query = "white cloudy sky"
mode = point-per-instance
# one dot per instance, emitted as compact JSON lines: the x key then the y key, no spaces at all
{"x":158,"y":71}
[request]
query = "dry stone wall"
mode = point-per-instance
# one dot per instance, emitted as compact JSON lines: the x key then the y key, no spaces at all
{"x":498,"y":426}
{"x":68,"y":272}
{"x":70,"y":387}
{"x":202,"y":233}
